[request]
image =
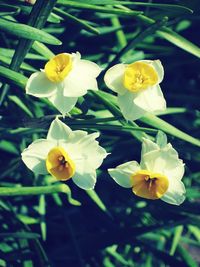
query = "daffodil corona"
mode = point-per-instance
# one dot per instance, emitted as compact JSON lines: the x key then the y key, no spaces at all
{"x":139,"y":76}
{"x":59,"y":164}
{"x":66,"y":154}
{"x":64,"y":78}
{"x":137,"y":86}
{"x":158,"y":176}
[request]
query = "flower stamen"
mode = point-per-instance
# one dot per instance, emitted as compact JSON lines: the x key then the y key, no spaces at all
{"x":149,"y":185}
{"x":59,"y":164}
{"x":139,"y":76}
{"x":58,"y":67}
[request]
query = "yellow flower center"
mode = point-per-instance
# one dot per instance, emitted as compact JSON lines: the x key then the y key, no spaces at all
{"x":138,"y":76}
{"x":58,"y":67}
{"x":59,"y":164}
{"x":149,"y":185}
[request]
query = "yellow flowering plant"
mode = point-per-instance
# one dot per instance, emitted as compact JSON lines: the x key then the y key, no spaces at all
{"x":64,"y":78}
{"x":158,"y":176}
{"x":66,"y":154}
{"x":137,"y":87}
{"x":61,"y":114}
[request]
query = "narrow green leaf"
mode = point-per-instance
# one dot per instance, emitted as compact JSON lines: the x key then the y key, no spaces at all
{"x":109,"y":101}
{"x":42,"y":212}
{"x":8,"y":147}
{"x":176,"y":239}
{"x":20,"y":235}
{"x":110,"y":127}
{"x":170,"y":7}
{"x":76,"y":20}
{"x":166,"y":127}
{"x":13,"y":77}
{"x":10,"y":52}
{"x":27,"y":219}
{"x":20,"y":104}
{"x":8,"y":10}
{"x":97,"y":2}
{"x":120,"y":12}
{"x":24,"y":66}
{"x":179,"y":41}
{"x":195,"y":231}
{"x":53,"y":18}
{"x":43,"y":50}
{"x":27,"y":32}
{"x":107,"y":262}
{"x":121,"y":37}
{"x":138,"y":38}
{"x":38,"y":190}
{"x":183,"y":25}
{"x":38,"y":17}
{"x":93,"y":195}
{"x":171,"y":111}
{"x":117,"y":256}
{"x":186,"y":256}
{"x":172,"y":37}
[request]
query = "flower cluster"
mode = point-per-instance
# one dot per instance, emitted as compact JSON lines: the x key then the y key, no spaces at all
{"x":76,"y":155}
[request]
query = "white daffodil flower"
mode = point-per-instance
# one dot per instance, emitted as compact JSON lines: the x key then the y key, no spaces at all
{"x":66,"y":154}
{"x":65,"y":78}
{"x":158,"y":176}
{"x":137,"y":86}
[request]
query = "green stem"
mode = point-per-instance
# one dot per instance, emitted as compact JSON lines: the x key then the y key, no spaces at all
{"x":116,"y":112}
{"x":121,"y":37}
{"x":115,"y":127}
{"x":38,"y":190}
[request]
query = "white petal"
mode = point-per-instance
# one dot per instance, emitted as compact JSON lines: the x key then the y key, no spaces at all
{"x":85,"y":180}
{"x":114,"y":78}
{"x":157,"y":65}
{"x":159,"y":69}
{"x":58,"y":130}
{"x":151,"y":99}
{"x":148,"y":146}
{"x":34,"y":155}
{"x":81,"y":78}
{"x":87,"y":68}
{"x":62,"y":103}
{"x":122,"y":173}
{"x":75,"y":57}
{"x":84,"y":151}
{"x":129,"y":110}
{"x":38,"y":85}
{"x":164,"y":161}
{"x":175,"y":194}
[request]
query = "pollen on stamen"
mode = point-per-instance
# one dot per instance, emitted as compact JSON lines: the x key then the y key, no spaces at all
{"x":60,"y":158}
{"x":139,"y":76}
{"x":66,"y":164}
{"x":60,"y":168}
{"x":59,"y":164}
